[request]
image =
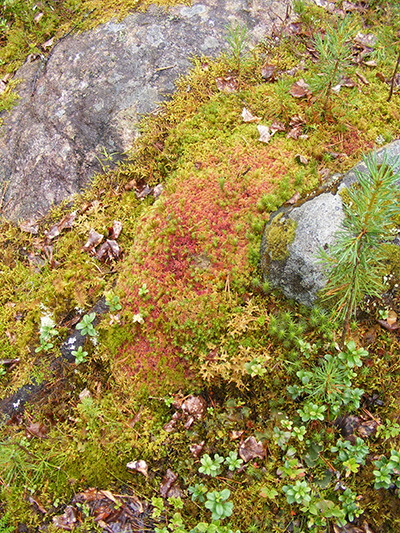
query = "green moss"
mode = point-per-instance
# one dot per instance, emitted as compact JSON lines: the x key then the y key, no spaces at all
{"x":392,"y":253}
{"x":279,"y":235}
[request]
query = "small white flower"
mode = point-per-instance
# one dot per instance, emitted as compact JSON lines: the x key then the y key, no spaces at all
{"x":138,"y":318}
{"x":94,"y":339}
{"x":46,"y":321}
{"x":380,"y":139}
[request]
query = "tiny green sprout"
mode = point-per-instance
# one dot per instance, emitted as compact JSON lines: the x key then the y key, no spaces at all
{"x":86,"y":326}
{"x":299,"y":432}
{"x":255,"y":368}
{"x":383,"y":314}
{"x":44,"y":346}
{"x":211,"y":467}
{"x":3,"y":371}
{"x":233,"y":461}
{"x":312,"y":411}
{"x":158,"y":506}
{"x":80,"y":355}
{"x":383,"y":476}
{"x":112,"y":300}
{"x":348,"y":499}
{"x":351,"y":466}
{"x":352,"y":357}
{"x":217,"y":504}
{"x":198,"y":492}
{"x":297,"y":493}
{"x":143,"y":290}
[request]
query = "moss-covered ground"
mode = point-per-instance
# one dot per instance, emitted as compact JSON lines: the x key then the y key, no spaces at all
{"x":192,"y":316}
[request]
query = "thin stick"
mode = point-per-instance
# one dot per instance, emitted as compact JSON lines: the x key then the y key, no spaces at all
{"x":164,"y":68}
{"x":393,"y":77}
{"x":7,"y":183}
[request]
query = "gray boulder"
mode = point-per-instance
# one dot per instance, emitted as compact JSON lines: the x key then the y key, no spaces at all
{"x":296,"y":270}
{"x":81,"y":110}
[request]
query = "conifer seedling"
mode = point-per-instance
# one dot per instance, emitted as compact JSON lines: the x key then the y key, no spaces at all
{"x":334,"y":51}
{"x":355,"y":262}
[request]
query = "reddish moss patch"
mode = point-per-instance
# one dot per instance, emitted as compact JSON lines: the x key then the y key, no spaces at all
{"x":190,"y":250}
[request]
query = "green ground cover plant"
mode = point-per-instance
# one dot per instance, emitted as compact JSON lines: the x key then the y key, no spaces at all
{"x":295,"y":432}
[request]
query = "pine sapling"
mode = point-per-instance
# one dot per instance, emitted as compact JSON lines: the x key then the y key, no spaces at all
{"x":334,"y":51}
{"x":355,"y":262}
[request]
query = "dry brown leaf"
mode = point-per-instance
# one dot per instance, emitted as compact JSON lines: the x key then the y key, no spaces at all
{"x":348,"y":82}
{"x":158,"y":190}
{"x":169,"y":426}
{"x":66,"y":222}
{"x":131,"y":185}
{"x":366,"y":528}
{"x":188,"y":423}
{"x":301,"y":159}
{"x":248,"y":117}
{"x":348,"y":6}
{"x":93,"y":240}
{"x":67,"y":520}
{"x":250,"y":449}
{"x":143,"y":192}
{"x":196,"y":449}
{"x":362,"y":78}
{"x":227,"y":85}
{"x":381,"y":77}
{"x":109,"y":495}
{"x":48,"y":43}
{"x":236,"y":434}
{"x":139,"y":466}
{"x":300,"y":88}
{"x":268,"y":72}
{"x":367,"y":40}
{"x":194,"y":406}
{"x":368,"y":428}
{"x":115,"y":231}
{"x":38,"y":17}
{"x":294,"y":133}
{"x":36,"y":429}
{"x":277,"y":126}
{"x":392,"y":317}
{"x":390,"y":327}
{"x":265,"y":135}
{"x":29,"y":226}
{"x":167,"y":482}
{"x":38,"y":504}
{"x":109,"y":250}
{"x":294,"y":199}
{"x":296,"y":120}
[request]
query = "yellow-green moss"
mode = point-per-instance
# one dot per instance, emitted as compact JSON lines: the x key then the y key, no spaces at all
{"x":279,"y":234}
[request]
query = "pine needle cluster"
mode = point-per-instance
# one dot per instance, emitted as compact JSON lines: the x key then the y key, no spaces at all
{"x":355,"y":262}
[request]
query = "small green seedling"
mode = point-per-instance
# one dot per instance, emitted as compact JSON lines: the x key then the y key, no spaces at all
{"x":112,"y":300}
{"x":143,"y":291}
{"x":198,"y":492}
{"x":233,"y":461}
{"x":211,"y":467}
{"x":80,"y":355}
{"x":351,"y":356}
{"x":85,"y":325}
{"x":298,"y":493}
{"x":217,"y":504}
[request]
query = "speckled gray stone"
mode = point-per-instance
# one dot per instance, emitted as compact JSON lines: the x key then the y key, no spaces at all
{"x":96,"y":85}
{"x":300,"y":276}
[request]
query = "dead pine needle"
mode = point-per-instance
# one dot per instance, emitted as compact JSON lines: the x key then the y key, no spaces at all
{"x":394,"y":77}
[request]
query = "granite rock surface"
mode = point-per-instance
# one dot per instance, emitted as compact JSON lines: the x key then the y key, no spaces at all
{"x":87,"y":100}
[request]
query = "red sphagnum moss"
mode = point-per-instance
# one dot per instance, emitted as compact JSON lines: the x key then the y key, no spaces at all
{"x":189,"y":250}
